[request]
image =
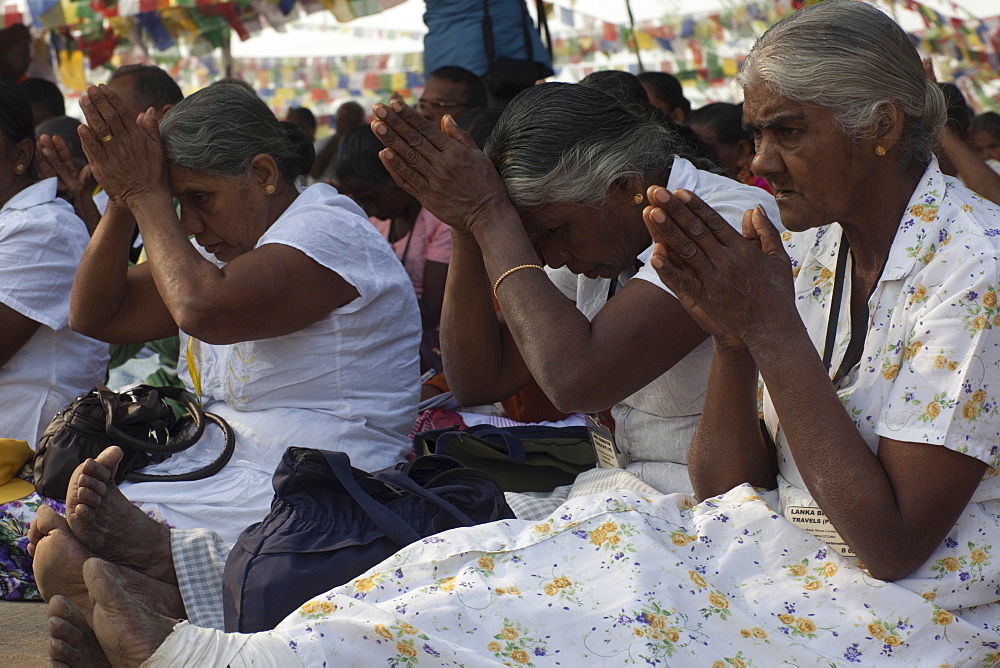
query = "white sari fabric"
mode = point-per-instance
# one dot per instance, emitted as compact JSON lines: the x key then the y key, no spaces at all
{"x":615,"y":579}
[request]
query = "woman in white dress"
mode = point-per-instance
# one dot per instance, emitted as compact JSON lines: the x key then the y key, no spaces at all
{"x":43,"y":364}
{"x":877,"y":540}
{"x":297,"y":329}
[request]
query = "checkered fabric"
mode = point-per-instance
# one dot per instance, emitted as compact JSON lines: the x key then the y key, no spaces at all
{"x":199,"y":560}
{"x":539,"y":505}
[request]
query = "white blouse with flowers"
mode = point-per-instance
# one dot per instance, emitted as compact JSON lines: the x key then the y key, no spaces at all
{"x":930,"y":368}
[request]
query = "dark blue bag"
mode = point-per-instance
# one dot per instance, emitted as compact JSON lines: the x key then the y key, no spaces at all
{"x":330,"y":522}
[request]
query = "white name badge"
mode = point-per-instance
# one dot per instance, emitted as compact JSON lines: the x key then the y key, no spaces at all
{"x":608,"y":455}
{"x":813,"y":520}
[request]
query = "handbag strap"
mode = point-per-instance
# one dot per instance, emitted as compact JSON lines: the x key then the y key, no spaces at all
{"x":389,"y":522}
{"x":198,"y":474}
{"x":488,"y":38}
{"x":515,"y":451}
{"x":111,"y":401}
{"x":488,"y":33}
{"x":403,"y":481}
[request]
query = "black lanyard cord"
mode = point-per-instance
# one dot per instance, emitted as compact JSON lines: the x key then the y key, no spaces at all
{"x":855,"y":346}
{"x":835,"y":304}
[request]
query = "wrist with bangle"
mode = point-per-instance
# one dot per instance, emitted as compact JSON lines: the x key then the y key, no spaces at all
{"x":511,"y":271}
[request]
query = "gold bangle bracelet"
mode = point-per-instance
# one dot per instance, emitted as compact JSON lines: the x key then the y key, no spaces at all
{"x":511,"y":271}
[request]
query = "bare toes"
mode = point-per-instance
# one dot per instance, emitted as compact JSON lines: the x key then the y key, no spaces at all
{"x":62,"y":653}
{"x":60,"y":608}
{"x":94,"y":469}
{"x":47,"y":520}
{"x":62,"y":631}
{"x":66,"y":630}
{"x":109,"y":458}
{"x":90,"y":493}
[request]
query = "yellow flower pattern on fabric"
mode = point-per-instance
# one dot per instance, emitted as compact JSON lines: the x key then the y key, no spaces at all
{"x":613,"y":538}
{"x":366,"y":584}
{"x":515,"y":645}
{"x":798,"y":626}
{"x":718,"y":605}
{"x":660,"y":629}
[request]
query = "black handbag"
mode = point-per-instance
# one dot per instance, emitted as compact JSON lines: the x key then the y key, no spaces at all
{"x":138,"y":421}
{"x":330,"y":522}
{"x":507,"y":77}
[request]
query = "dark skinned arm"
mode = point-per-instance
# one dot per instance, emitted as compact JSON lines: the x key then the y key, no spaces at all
{"x":15,"y":331}
{"x":975,"y":173}
{"x":912,"y":492}
{"x":435,"y":276}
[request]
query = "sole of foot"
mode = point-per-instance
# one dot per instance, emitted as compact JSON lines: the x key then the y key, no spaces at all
{"x":127,"y":631}
{"x":110,"y":526}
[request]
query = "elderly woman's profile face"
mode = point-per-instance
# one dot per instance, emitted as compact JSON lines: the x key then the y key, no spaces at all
{"x":226,"y":217}
{"x":586,"y":240}
{"x":818,"y":173}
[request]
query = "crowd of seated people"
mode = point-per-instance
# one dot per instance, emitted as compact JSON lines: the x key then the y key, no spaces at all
{"x":783,"y":310}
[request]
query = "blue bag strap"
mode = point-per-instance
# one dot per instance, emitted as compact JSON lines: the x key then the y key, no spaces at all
{"x":389,"y":522}
{"x":515,"y":451}
{"x":400,"y":479}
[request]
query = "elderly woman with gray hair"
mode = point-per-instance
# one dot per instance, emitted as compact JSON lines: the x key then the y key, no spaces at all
{"x":290,"y":309}
{"x":877,"y":540}
{"x":566,"y":189}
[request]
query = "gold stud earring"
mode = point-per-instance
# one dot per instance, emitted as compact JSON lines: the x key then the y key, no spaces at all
{"x":269,"y":189}
{"x":637,"y":198}
{"x":880,"y":151}
{"x":19,"y":169}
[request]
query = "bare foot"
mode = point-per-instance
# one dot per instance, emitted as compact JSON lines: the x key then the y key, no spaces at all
{"x":127,"y":631}
{"x":71,"y":641}
{"x":58,"y":559}
{"x":110,"y":526}
{"x":45,"y":521}
{"x":58,"y":566}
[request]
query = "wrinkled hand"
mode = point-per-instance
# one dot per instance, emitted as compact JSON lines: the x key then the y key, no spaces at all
{"x":446,"y":171}
{"x":54,"y":159}
{"x":737,"y":287}
{"x":125,"y":154}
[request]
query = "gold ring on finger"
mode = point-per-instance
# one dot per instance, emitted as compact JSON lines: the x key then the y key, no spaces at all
{"x":106,"y":138}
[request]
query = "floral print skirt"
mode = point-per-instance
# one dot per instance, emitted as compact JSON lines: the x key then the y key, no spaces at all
{"x":625,"y":578}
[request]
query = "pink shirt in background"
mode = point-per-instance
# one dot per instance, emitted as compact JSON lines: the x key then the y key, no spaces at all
{"x":431,"y":241}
